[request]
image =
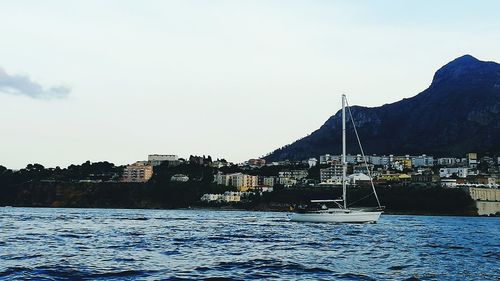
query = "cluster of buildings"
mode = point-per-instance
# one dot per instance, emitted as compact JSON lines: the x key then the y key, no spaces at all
{"x":423,"y":169}
{"x":226,"y":197}
{"x":142,"y":171}
{"x":256,"y":176}
{"x":384,"y":169}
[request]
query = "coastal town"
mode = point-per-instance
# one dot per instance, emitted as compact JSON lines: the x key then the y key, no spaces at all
{"x":255,"y":176}
{"x":169,"y":181}
{"x":448,"y":172}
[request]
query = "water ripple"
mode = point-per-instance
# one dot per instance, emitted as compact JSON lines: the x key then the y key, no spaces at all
{"x":96,"y":244}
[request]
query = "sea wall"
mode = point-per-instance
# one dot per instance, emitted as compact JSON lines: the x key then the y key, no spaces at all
{"x":487,"y":200}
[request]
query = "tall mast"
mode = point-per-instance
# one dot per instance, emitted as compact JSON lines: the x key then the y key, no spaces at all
{"x":344,"y":163}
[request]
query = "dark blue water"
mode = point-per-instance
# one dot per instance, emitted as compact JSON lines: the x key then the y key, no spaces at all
{"x":89,"y":244}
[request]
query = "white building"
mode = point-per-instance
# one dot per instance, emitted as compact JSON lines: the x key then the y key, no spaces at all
{"x":331,"y":174}
{"x":353,"y":159}
{"x":179,"y":178}
{"x":449,"y":183}
{"x":354,"y":178}
{"x":157,"y":159}
{"x":222,"y":179}
{"x":241,"y":181}
{"x":325,"y":159}
{"x":231,"y":196}
{"x":265,"y":188}
{"x":329,"y":159}
{"x":291,"y":177}
{"x":312,"y":162}
{"x":334,"y":180}
{"x":211,"y":197}
{"x":268,"y":181}
{"x":449,"y":161}
{"x":219,"y":164}
{"x":379,"y":160}
{"x":422,"y":161}
{"x":294,"y":174}
{"x":287,"y":181}
{"x":227,"y":197}
{"x":461,"y":172}
{"x":362,"y":168}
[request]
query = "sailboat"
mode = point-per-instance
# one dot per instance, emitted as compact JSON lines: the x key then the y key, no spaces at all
{"x":341,"y":213}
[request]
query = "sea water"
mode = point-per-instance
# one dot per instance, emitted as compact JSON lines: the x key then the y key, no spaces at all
{"x":110,"y":244}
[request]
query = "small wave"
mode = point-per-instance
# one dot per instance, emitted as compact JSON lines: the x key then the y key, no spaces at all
{"x":451,"y":247}
{"x":398,"y":267}
{"x":354,"y":233}
{"x":134,"y":233}
{"x":171,"y":253}
{"x":268,"y":265}
{"x":124,"y":259}
{"x":132,"y":218}
{"x":413,"y":278}
{"x":175,"y":219}
{"x":65,"y":218}
{"x":124,"y":273}
{"x":336,"y":239}
{"x":139,"y":219}
{"x":354,"y":276}
{"x":218,"y":238}
{"x":384,"y":256}
{"x":39,"y":273}
{"x":491,"y":254}
{"x":182,"y":239}
{"x":454,"y":247}
{"x":242,"y":236}
{"x":10,"y":271}
{"x":312,"y":244}
{"x":217,"y":278}
{"x":21,"y":257}
{"x":317,"y":270}
{"x":203,"y":268}
{"x":74,"y":235}
{"x":249,"y":219}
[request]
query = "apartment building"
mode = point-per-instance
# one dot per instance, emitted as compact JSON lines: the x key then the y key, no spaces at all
{"x":140,"y":171}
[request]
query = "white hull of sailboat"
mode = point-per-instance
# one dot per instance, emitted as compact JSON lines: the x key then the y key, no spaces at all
{"x":337,"y":217}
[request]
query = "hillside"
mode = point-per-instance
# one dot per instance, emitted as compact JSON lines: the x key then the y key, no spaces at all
{"x":458,"y":113}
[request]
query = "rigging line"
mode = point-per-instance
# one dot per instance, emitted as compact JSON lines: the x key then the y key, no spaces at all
{"x":360,"y":199}
{"x":362,"y":152}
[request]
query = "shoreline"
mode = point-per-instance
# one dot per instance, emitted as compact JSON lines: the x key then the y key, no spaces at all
{"x":236,"y":209}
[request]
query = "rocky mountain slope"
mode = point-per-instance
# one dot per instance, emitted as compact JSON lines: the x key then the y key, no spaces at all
{"x":457,"y":114}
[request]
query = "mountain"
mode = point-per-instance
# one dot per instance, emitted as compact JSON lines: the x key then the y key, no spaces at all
{"x":457,"y":114}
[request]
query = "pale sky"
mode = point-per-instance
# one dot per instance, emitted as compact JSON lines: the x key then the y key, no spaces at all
{"x":118,"y":80}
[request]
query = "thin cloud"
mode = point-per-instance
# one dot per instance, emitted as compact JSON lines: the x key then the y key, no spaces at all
{"x":23,"y":85}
